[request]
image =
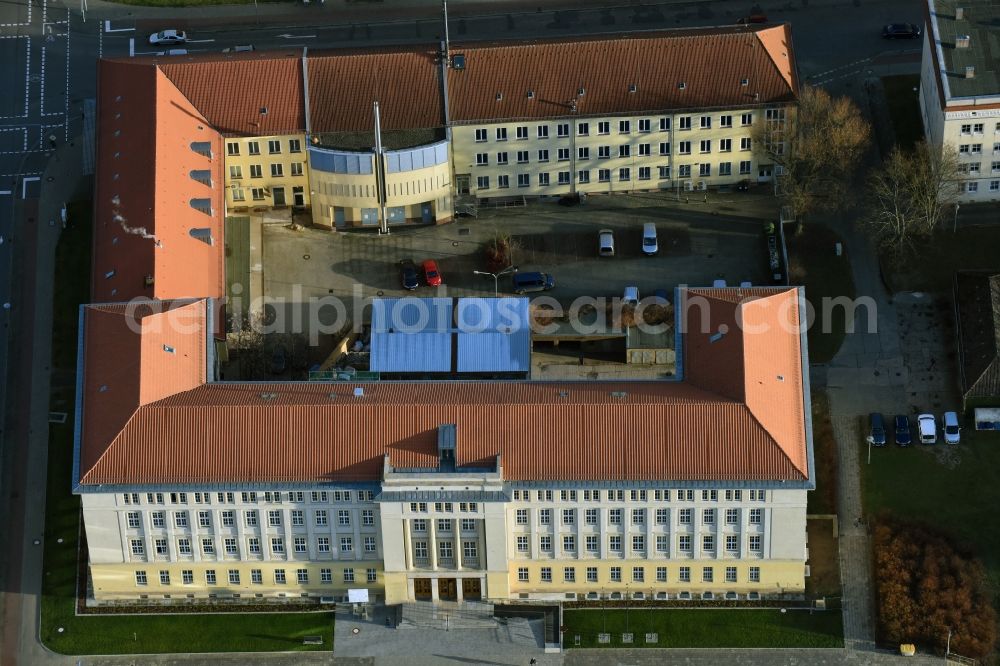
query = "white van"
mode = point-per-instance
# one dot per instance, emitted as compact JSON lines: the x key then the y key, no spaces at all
{"x":649,"y":243}
{"x":927,"y":427}
{"x":952,"y":430}
{"x":606,"y":243}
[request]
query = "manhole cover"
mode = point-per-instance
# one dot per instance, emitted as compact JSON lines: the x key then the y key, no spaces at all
{"x":306,"y":257}
{"x":355,"y":631}
{"x":379,"y":292}
{"x":454,"y":243}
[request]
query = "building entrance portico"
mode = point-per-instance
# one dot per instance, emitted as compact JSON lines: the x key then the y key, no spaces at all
{"x":446,"y":587}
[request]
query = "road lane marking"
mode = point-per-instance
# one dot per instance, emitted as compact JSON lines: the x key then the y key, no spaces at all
{"x":108,"y":28}
{"x":286,"y":36}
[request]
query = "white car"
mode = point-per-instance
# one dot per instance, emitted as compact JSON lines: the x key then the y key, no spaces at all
{"x":927,"y":428}
{"x":631,"y":296}
{"x":167,"y":37}
{"x":952,"y":430}
{"x":606,"y":243}
{"x":649,"y":243}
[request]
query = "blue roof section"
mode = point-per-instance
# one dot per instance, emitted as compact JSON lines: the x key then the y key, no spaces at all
{"x":411,"y":335}
{"x":417,"y":335}
{"x":494,"y":335}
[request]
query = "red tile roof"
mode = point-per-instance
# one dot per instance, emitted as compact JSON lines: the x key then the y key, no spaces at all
{"x":145,"y":189}
{"x":136,"y":354}
{"x":301,"y":432}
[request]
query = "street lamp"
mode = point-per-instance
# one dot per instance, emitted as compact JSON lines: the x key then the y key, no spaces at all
{"x":496,"y":277}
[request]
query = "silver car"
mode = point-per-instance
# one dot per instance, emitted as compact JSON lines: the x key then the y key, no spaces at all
{"x":168,"y":37}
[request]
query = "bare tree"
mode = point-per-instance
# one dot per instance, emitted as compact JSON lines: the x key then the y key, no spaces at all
{"x":817,"y":146}
{"x":245,"y":337}
{"x":908,"y":194}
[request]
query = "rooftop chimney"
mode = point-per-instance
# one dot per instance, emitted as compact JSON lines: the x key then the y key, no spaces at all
{"x":970,"y":72}
{"x":961,"y":41}
{"x":959,"y":13}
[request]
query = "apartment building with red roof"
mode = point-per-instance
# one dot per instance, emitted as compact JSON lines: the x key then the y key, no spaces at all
{"x":193,"y":487}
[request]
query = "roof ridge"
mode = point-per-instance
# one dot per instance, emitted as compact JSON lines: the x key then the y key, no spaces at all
{"x":107,"y":449}
{"x":777,"y":444}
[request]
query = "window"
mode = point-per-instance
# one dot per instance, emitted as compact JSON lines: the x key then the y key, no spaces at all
{"x":343,"y":518}
{"x":348,"y":575}
{"x":369,"y":543}
{"x":977,"y":148}
{"x":638,"y":543}
{"x":522,"y":157}
{"x":302,"y":576}
{"x":523,"y":180}
{"x":274,"y":518}
{"x":583,"y":153}
{"x":664,"y":124}
{"x":253,"y":147}
{"x":708,"y":516}
{"x":545,"y":517}
{"x":232,"y":148}
{"x":273,"y":146}
{"x":644,"y":173}
{"x":604,"y":127}
{"x":326,"y":576}
{"x":470,"y":550}
{"x":181,"y":519}
{"x":569,"y":574}
{"x":745,"y":143}
{"x":754,"y":574}
{"x":591,"y":574}
{"x":604,"y":175}
{"x":746,"y":119}
{"x":730,"y":574}
{"x":604,"y":152}
{"x":522,"y":544}
{"x":234,"y":576}
{"x":298,"y":545}
{"x":253,"y":545}
{"x":279,"y":577}
{"x":521,"y":517}
{"x":346,"y":544}
{"x":638,"y":574}
{"x":685,"y":122}
{"x":160,"y":546}
{"x":583,"y":176}
{"x":483,"y":182}
{"x":543,"y":155}
{"x":563,"y":154}
{"x":298,"y":518}
{"x":321,"y":519}
{"x":704,"y":169}
{"x":522,"y":132}
{"x":707,"y":574}
{"x":684,"y":147}
{"x":684,"y":543}
{"x":481,"y":136}
{"x":503,"y":182}
{"x":644,"y":150}
{"x":522,"y":574}
{"x":371,"y":575}
{"x":664,"y":148}
{"x":138,"y":548}
{"x":583,"y":129}
{"x":684,"y":171}
{"x":545,"y":544}
{"x":615,"y":516}
{"x":685,"y":517}
{"x":568,"y":516}
{"x":756,"y":516}
{"x":624,"y":174}
{"x":615,"y":543}
{"x":501,"y":134}
{"x":755,"y":543}
{"x":706,"y":122}
{"x":638,"y":516}
{"x":482,"y":159}
{"x":184,"y":546}
{"x":661,"y":543}
{"x":994,"y":185}
{"x":134,"y":519}
{"x":644,"y":125}
{"x":322,"y":497}
{"x":732,"y":543}
{"x":164,"y":578}
{"x":707,"y":543}
{"x":277,"y":545}
{"x":725,"y":121}
{"x":228,"y":518}
{"x":972,"y":187}
{"x":624,"y":127}
{"x":546,"y":574}
{"x":616,"y":574}
{"x":745,"y":167}
{"x":238,"y":194}
{"x":420,"y":550}
{"x":590,"y":516}
{"x":562,"y":130}
{"x":502,"y":158}
{"x":542,"y":131}
{"x":725,"y":168}
{"x":664,"y":175}
{"x":705,"y":146}
{"x":963,"y":149}
{"x":210,"y":576}
{"x":235,"y":172}
{"x":323,"y":544}
{"x":592,"y":543}
{"x":294,"y":146}
{"x":204,"y":519}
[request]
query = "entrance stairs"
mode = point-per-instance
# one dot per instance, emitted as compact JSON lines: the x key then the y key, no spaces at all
{"x":448,"y":615}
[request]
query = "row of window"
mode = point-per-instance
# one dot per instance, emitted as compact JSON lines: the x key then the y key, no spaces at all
{"x":973,"y":186}
{"x":321,"y":518}
{"x":638,"y":516}
{"x":278,"y":193}
{"x":273,"y":147}
{"x":642,"y":125}
{"x":685,"y":543}
{"x":257,"y":576}
{"x":605,"y":152}
{"x":230,"y":546}
{"x":444,"y":524}
{"x":277,"y":170}
{"x":276,"y":497}
{"x":624,"y":175}
{"x":445,"y":550}
{"x":445,"y":507}
{"x":638,"y":495}
{"x":639,"y":575}
{"x":977,"y":128}
{"x":975,"y":148}
{"x":974,"y":167}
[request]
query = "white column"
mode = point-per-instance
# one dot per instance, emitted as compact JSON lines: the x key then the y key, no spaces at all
{"x":481,"y":543}
{"x":407,"y":546}
{"x":432,"y":546}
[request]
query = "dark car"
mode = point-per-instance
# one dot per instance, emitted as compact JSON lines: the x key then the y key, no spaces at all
{"x":900,"y":31}
{"x":902,"y":426}
{"x":877,"y":431}
{"x":534,"y":281}
{"x":408,"y":274}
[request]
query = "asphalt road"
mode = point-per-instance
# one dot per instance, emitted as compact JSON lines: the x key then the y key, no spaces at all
{"x":48,"y":55}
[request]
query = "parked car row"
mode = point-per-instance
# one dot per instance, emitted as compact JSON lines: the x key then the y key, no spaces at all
{"x":650,"y":243}
{"x":927,"y":429}
{"x":410,"y":279}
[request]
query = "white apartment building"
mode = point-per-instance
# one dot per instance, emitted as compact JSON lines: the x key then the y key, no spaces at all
{"x":960,"y":91}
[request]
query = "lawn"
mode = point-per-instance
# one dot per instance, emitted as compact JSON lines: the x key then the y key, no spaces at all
{"x":121,"y":634}
{"x":823,"y":500}
{"x":701,"y":628}
{"x":954,"y":489}
{"x":904,"y":108}
{"x":813,"y":263}
{"x":824,"y":561}
{"x":933,"y":266}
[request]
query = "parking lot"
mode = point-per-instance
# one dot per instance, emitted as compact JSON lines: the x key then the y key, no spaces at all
{"x":699,"y":242}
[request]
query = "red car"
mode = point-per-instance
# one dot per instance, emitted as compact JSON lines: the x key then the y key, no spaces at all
{"x":431,"y":273}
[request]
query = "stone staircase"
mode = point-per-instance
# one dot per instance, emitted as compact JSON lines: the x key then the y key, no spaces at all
{"x":448,"y":615}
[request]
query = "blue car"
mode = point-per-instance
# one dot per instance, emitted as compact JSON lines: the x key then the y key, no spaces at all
{"x":532,"y":281}
{"x":902,"y":427}
{"x":877,"y":432}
